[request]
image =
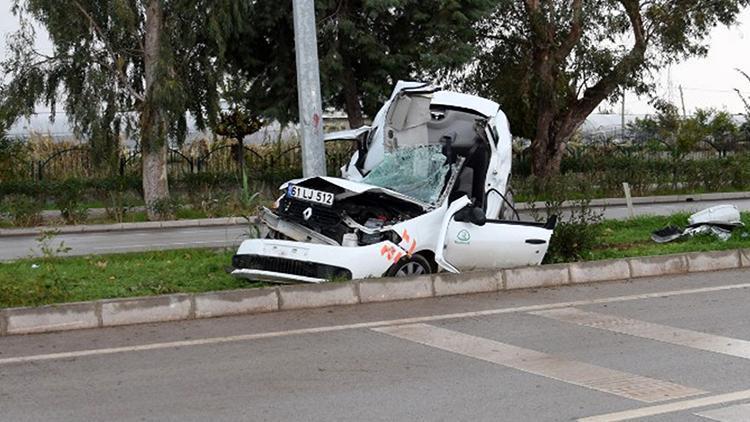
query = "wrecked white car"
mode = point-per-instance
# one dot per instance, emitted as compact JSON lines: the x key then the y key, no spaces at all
{"x":426,"y":191}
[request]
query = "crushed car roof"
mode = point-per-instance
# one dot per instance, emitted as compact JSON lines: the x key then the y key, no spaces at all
{"x":483,"y":106}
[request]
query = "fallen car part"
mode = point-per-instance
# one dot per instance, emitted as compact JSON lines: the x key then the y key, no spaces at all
{"x":718,"y":221}
{"x":726,"y":215}
{"x":667,"y":234}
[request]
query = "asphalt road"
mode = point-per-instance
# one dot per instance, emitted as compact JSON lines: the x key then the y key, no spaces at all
{"x":666,"y":349}
{"x":16,"y":247}
{"x":621,"y":212}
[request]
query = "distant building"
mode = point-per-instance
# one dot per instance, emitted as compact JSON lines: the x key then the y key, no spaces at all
{"x":597,"y":126}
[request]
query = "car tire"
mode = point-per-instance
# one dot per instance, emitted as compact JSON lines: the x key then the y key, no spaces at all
{"x":410,"y":266}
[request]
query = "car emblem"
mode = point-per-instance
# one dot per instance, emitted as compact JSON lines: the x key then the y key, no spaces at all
{"x":463,"y":237}
{"x":307,"y":214}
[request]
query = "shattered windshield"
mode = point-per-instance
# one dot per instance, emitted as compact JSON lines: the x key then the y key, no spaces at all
{"x":418,"y":172}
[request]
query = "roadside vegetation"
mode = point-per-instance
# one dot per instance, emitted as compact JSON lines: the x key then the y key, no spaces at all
{"x":629,"y":238}
{"x":207,"y":181}
{"x":551,"y":64}
{"x":55,"y":279}
{"x":58,"y":279}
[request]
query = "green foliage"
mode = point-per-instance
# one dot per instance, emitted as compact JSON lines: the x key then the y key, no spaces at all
{"x":573,"y":241}
{"x":98,"y":62}
{"x":52,"y":287}
{"x":626,"y":238}
{"x":602,"y":172}
{"x":70,"y":200}
{"x":118,"y":204}
{"x":237,"y":124}
{"x":165,"y":208}
{"x":27,"y":282}
{"x":137,"y":67}
{"x":577,"y":232}
{"x":680,"y":135}
{"x":364,"y":47}
{"x":22,"y":210}
{"x":14,"y":159}
{"x":550,"y":64}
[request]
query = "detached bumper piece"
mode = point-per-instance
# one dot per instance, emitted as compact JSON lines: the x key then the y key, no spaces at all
{"x":274,"y":269}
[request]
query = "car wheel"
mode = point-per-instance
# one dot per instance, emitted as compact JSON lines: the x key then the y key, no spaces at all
{"x":410,"y":266}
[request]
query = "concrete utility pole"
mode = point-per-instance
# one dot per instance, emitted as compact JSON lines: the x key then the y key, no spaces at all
{"x":622,"y":117}
{"x":682,"y":100}
{"x":308,"y":89}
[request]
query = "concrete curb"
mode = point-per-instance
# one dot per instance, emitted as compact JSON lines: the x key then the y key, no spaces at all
{"x":745,"y":257}
{"x":109,"y":313}
{"x":148,"y":225}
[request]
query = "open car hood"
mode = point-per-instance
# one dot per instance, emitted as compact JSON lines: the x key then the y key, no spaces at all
{"x":352,"y":188}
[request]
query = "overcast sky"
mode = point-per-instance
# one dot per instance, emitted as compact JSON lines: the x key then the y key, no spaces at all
{"x":707,"y":82}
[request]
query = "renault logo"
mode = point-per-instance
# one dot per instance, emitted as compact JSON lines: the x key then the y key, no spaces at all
{"x":307,"y":213}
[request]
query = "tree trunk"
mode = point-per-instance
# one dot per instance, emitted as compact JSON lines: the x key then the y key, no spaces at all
{"x":547,"y":154}
{"x":549,"y":145}
{"x":351,"y":97}
{"x":153,"y":123}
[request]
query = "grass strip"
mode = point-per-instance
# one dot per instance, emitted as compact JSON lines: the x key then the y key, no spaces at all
{"x":43,"y":281}
{"x":631,"y":238}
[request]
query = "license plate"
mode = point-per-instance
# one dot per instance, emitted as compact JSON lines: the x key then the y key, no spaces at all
{"x":310,"y":195}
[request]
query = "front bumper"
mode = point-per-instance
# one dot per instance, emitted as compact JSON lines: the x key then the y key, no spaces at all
{"x":289,"y":261}
{"x":282,"y":269}
{"x":274,"y":277}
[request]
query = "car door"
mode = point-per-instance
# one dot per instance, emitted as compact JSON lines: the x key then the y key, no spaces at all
{"x":496,"y":244}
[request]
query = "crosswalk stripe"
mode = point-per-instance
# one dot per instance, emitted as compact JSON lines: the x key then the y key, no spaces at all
{"x":737,"y":413}
{"x":606,"y":380}
{"x":681,"y":337}
{"x":664,"y":409}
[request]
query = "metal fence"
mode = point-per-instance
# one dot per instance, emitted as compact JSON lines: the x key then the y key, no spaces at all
{"x":259,"y":160}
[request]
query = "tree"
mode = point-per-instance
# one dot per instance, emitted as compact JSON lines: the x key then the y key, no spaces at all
{"x":133,"y":65}
{"x":365,"y":46}
{"x":723,"y":134}
{"x":237,"y":124}
{"x":672,"y":132}
{"x":550,"y":63}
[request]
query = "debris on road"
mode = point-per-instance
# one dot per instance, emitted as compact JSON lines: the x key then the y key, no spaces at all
{"x":718,"y":221}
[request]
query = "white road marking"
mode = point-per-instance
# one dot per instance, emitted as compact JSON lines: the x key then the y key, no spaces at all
{"x":737,"y":413}
{"x":681,"y":337}
{"x":623,"y":384}
{"x":374,"y":324}
{"x":669,"y":408}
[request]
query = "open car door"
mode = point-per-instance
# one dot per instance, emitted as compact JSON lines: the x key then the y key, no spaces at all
{"x":471,"y":242}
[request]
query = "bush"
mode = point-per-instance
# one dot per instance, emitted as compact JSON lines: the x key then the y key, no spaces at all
{"x":15,"y":160}
{"x":70,"y":200}
{"x":573,"y":241}
{"x":166,"y":208}
{"x":578,"y":230}
{"x":22,"y":210}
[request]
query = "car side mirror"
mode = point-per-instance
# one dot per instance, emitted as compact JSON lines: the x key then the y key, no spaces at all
{"x":474,"y":215}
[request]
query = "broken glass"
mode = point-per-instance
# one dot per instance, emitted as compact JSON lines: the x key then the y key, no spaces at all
{"x":418,"y":172}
